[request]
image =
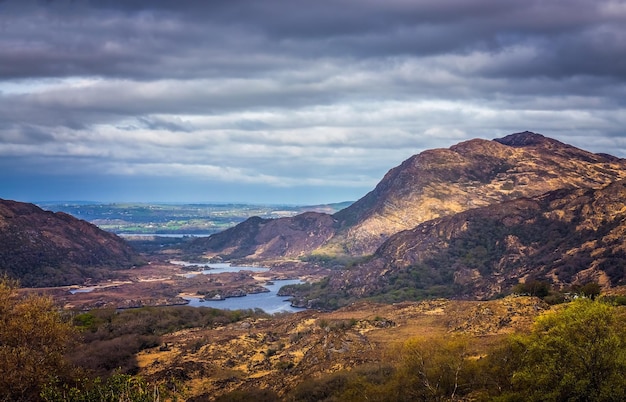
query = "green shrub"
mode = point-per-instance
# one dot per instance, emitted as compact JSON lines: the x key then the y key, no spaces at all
{"x":578,"y":354}
{"x":117,"y":388}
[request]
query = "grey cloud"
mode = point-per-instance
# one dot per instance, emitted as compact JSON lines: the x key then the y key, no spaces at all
{"x":190,"y":39}
{"x":300,"y":90}
{"x":251,"y":125}
{"x":155,"y":123}
{"x":24,"y":134}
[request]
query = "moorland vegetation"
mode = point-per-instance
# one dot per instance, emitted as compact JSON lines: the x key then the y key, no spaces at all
{"x":574,"y":351}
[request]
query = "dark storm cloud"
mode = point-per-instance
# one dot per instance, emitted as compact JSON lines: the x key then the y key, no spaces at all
{"x":142,"y":40}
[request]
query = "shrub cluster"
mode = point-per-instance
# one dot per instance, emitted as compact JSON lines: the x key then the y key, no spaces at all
{"x":575,"y":354}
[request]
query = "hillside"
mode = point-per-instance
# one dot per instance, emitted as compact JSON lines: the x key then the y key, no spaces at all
{"x":280,"y":353}
{"x":564,"y":237}
{"x":270,"y":238}
{"x":42,"y":248}
{"x":429,"y":185}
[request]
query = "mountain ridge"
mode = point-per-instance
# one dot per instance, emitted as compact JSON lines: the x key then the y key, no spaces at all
{"x":428,"y":185}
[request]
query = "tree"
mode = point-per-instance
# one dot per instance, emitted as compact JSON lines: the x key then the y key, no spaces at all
{"x":33,"y":339}
{"x":433,"y":369}
{"x":533,"y":287}
{"x":591,"y":290}
{"x":577,"y":354}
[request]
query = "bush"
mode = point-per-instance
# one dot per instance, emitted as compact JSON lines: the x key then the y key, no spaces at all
{"x":535,"y":288}
{"x":321,"y":389}
{"x":578,"y":354}
{"x":33,"y":340}
{"x":117,"y":388}
{"x":617,"y":300}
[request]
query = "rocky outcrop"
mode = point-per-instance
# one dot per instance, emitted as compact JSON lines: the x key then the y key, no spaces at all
{"x":42,"y":248}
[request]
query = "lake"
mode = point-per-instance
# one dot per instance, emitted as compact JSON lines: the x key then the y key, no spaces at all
{"x":170,"y":235}
{"x":216,"y":268}
{"x":267,"y":301}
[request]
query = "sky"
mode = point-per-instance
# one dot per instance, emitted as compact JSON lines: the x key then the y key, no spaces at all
{"x":289,"y":101}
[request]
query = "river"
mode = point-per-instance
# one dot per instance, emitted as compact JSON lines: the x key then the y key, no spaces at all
{"x":269,"y":302}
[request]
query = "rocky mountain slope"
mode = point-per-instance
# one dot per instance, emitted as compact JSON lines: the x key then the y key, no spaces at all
{"x":565,"y":237}
{"x":42,"y":248}
{"x":471,"y":174}
{"x":429,"y":185}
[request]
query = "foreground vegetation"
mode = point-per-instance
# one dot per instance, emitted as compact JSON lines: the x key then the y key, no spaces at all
{"x":47,"y":354}
{"x":574,"y":352}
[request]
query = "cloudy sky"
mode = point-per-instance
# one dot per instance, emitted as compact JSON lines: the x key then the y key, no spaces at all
{"x":289,"y":101}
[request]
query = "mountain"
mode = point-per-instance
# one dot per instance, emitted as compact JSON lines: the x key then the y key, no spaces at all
{"x":270,"y":238}
{"x":42,"y":248}
{"x":468,"y":175}
{"x":564,"y":237}
{"x":429,"y":185}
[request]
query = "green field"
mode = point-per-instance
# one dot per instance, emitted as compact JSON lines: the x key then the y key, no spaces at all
{"x":176,"y":219}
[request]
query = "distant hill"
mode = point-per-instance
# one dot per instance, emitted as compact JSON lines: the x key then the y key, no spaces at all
{"x":268,"y":238}
{"x":179,"y":219}
{"x":564,"y":237}
{"x":429,"y":185}
{"x":42,"y":248}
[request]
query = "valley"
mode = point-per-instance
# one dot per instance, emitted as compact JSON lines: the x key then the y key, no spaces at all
{"x":450,"y":272}
{"x":471,"y":221}
{"x":164,"y":283}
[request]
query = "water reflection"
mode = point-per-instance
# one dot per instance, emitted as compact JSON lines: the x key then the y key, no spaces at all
{"x":267,"y":301}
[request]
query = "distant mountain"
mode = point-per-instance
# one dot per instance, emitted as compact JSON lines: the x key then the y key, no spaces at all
{"x":564,"y":237}
{"x":42,"y":248}
{"x":429,"y":185}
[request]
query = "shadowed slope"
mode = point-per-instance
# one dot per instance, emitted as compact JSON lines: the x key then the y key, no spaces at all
{"x":42,"y":248}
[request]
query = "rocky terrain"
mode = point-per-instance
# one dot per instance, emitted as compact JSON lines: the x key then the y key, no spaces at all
{"x":564,"y":237}
{"x":432,"y":184}
{"x":41,"y":248}
{"x":281,"y":352}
